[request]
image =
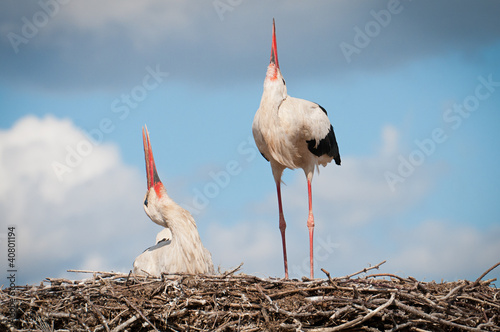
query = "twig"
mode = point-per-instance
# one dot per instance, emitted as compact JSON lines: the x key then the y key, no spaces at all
{"x":366,"y":269}
{"x":97,"y":272}
{"x":140,"y":313}
{"x":484,"y":274}
{"x":385,"y":275}
{"x":99,"y":314}
{"x":267,"y":297}
{"x":340,"y":312}
{"x":230,"y":272}
{"x":421,"y":314}
{"x":125,"y":324}
{"x":453,"y":291}
{"x":359,"y":320}
{"x":328,"y":276}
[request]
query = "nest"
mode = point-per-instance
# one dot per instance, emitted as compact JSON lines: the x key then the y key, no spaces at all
{"x":229,"y":301}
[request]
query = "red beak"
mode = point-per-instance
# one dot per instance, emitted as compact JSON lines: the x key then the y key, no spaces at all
{"x":274,"y":49}
{"x":151,"y":173}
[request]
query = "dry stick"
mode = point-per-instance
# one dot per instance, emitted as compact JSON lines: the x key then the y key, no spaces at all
{"x":328,"y":275}
{"x":340,"y":312}
{"x":83,"y":323}
{"x":453,"y":291}
{"x":98,"y":272}
{"x":99,"y":314}
{"x":386,"y":275}
{"x":402,"y":326}
{"x":359,"y":320}
{"x":177,"y":313}
{"x":484,"y":274}
{"x":226,"y":325}
{"x":267,"y":297}
{"x":7,"y":323}
{"x":140,"y":313}
{"x":413,"y":297}
{"x":125,"y":324}
{"x":433,"y":318}
{"x":366,"y":269}
{"x":230,"y":272}
{"x":117,"y":317}
{"x":470,"y":298}
{"x":288,"y":292}
{"x":265,"y":315}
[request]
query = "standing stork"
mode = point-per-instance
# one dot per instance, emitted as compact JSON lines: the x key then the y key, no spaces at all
{"x":292,"y":133}
{"x":178,"y":247}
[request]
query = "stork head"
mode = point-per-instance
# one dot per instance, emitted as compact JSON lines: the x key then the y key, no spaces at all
{"x":156,"y":191}
{"x":274,"y":80}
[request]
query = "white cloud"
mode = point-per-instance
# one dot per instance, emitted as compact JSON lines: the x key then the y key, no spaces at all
{"x":456,"y":251}
{"x":93,"y":219}
{"x":30,"y":149}
{"x":253,"y":243}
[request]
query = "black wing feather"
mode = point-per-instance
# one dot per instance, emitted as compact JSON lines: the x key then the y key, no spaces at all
{"x":327,"y":145}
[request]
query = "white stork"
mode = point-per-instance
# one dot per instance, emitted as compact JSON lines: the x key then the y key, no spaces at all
{"x":292,"y":133}
{"x":178,"y":247}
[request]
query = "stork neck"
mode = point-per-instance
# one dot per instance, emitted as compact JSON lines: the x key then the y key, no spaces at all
{"x":271,"y":100}
{"x":180,"y":222}
{"x":274,"y":90}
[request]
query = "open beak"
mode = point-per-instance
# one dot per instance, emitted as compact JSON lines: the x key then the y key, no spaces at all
{"x":274,"y":49}
{"x":151,"y":173}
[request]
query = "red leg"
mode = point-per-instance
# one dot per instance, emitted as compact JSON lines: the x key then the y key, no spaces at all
{"x":310,"y":225}
{"x":282,"y":227}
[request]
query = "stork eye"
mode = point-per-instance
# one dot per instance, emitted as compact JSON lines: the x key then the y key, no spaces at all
{"x":283,"y":81}
{"x":146,"y":202}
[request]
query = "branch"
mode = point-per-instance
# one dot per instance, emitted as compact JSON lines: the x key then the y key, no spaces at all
{"x":386,"y":275}
{"x":99,"y":314}
{"x":366,"y":269}
{"x":359,"y":320}
{"x":484,"y":274}
{"x":230,"y":272}
{"x":140,"y":313}
{"x":434,"y":318}
{"x":329,"y":277}
{"x":125,"y":324}
{"x":453,"y":291}
{"x":97,"y":272}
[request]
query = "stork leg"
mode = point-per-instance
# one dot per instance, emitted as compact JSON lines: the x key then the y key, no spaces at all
{"x":282,"y":226}
{"x":310,"y":225}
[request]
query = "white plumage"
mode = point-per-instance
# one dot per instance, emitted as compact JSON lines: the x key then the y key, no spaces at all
{"x":178,"y":247}
{"x":292,"y":133}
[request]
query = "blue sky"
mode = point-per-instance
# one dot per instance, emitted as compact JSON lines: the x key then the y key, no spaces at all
{"x":192,"y":71}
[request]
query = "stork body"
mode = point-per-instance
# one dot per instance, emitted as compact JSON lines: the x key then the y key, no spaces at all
{"x":178,"y":247}
{"x":292,"y":133}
